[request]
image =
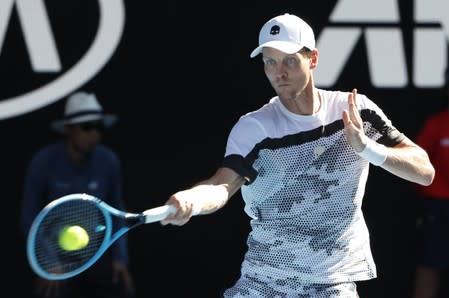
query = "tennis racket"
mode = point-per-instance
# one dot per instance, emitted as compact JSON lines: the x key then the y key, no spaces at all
{"x":103,"y":223}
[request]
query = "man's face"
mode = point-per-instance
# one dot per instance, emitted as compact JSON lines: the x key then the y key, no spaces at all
{"x":83,"y":137}
{"x":288,"y":74}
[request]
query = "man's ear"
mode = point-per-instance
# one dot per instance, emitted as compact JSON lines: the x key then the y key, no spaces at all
{"x":314,"y":58}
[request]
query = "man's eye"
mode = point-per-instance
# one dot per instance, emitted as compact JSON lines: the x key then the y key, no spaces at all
{"x":291,"y":60}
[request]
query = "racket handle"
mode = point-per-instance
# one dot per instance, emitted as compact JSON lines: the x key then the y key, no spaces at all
{"x":158,"y":213}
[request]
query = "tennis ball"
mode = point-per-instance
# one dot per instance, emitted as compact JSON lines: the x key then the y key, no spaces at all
{"x":73,"y":238}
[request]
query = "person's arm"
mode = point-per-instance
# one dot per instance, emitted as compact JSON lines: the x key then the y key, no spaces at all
{"x":409,"y":161}
{"x":205,"y":197}
{"x":114,"y":196}
{"x":120,"y":256}
{"x":34,"y":192}
{"x":406,"y":160}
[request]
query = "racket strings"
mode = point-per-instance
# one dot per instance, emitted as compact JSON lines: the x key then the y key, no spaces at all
{"x":49,"y":255}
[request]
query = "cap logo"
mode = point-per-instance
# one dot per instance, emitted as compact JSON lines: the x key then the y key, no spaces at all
{"x":275,"y":30}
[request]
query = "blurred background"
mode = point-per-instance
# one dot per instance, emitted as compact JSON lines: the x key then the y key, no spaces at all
{"x":178,"y":74}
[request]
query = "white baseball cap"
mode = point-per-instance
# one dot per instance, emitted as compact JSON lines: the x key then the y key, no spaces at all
{"x":287,"y":33}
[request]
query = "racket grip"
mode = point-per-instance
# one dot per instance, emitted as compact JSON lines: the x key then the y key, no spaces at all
{"x":159,"y":213}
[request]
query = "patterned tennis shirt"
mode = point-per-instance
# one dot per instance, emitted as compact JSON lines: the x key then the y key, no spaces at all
{"x":304,"y":191}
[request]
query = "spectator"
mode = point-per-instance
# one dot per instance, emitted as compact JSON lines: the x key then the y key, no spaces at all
{"x":80,"y":164}
{"x":433,"y":219}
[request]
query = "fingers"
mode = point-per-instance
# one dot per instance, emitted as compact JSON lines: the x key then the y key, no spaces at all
{"x":129,"y":283}
{"x":176,"y":220}
{"x":184,"y":211}
{"x":47,"y":289}
{"x":353,"y":111}
{"x":352,"y":103}
{"x":353,"y":123}
{"x":122,"y":274}
{"x":349,"y":115}
{"x":346,"y":119}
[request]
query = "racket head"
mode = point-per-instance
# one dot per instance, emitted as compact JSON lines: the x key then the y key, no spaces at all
{"x":46,"y":257}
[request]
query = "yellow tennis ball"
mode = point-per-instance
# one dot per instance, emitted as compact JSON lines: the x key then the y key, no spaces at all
{"x":73,"y":238}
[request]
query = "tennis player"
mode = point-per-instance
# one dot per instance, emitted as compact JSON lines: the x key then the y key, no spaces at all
{"x":301,"y":162}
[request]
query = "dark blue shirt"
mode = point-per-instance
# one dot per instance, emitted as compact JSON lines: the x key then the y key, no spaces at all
{"x":51,"y":174}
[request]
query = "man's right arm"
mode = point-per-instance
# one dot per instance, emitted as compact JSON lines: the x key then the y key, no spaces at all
{"x":204,"y":197}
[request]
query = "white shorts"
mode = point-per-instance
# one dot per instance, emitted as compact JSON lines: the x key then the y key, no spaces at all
{"x":249,"y":287}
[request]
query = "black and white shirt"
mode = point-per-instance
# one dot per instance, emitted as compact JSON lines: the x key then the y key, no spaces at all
{"x":304,"y":191}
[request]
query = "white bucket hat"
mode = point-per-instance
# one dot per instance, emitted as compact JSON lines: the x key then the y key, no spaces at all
{"x":82,"y":107}
{"x":287,"y":33}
